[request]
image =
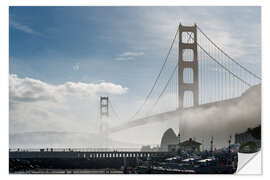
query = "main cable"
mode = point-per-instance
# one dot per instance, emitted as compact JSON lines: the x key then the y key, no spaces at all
{"x":233,"y":60}
{"x":155,"y":83}
{"x":221,"y":64}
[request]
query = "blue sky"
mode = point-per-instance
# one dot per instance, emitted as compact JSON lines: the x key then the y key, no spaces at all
{"x":49,"y":41}
{"x":124,"y":46}
{"x":88,"y":37}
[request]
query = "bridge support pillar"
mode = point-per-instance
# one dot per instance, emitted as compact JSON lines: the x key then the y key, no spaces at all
{"x":187,"y":33}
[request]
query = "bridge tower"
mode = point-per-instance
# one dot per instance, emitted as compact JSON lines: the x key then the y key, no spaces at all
{"x":184,"y":44}
{"x":104,"y":114}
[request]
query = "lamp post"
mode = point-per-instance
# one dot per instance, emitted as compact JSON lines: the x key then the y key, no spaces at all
{"x":230,"y":144}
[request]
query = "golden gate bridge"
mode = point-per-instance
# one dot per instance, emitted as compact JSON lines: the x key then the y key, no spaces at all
{"x":195,"y":74}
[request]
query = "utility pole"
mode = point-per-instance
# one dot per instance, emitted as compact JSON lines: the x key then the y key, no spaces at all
{"x":179,"y":141}
{"x":202,"y":144}
{"x":179,"y":138}
{"x":230,"y":139}
{"x":211,"y":147}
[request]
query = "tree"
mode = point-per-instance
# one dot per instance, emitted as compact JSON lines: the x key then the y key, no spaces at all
{"x":248,"y":147}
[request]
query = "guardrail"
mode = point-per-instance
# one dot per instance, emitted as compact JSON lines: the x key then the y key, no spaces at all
{"x":85,"y":150}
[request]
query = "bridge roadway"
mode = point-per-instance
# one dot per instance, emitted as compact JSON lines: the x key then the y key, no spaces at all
{"x":172,"y":114}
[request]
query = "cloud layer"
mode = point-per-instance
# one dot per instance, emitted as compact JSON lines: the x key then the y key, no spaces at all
{"x":36,"y":106}
{"x":218,"y":120}
{"x":128,"y":56}
{"x":29,"y":90}
{"x":24,"y":28}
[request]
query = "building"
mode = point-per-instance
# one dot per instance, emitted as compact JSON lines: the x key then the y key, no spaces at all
{"x":169,"y":137}
{"x":188,"y":146}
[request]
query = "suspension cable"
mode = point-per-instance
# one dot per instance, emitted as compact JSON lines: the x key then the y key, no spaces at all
{"x":169,"y":80}
{"x":254,"y":75}
{"x":222,"y":65}
{"x":166,"y":86}
{"x":117,"y":116}
{"x":154,"y":85}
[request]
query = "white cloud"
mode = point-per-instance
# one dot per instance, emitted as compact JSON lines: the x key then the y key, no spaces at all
{"x":124,"y":58}
{"x":72,"y":106}
{"x":27,"y":89}
{"x":128,"y":56}
{"x":23,"y":28}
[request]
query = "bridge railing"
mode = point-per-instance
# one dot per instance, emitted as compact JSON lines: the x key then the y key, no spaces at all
{"x":84,"y":150}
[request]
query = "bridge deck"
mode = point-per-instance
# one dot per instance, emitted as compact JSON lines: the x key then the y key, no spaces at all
{"x":166,"y":115}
